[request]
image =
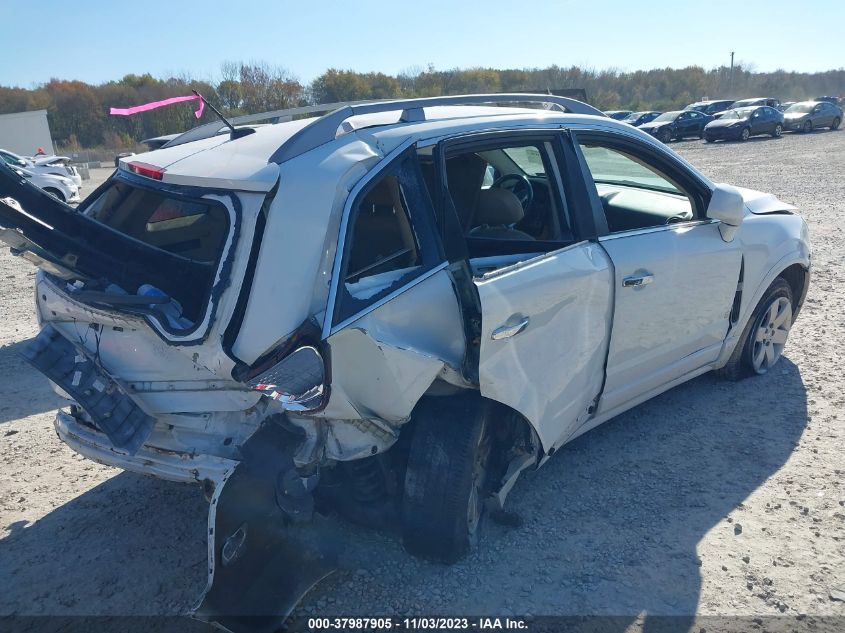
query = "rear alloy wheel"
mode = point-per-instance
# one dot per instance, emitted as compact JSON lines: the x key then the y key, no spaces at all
{"x":745,"y":134}
{"x":55,"y":193}
{"x":665,"y":136}
{"x":446,"y":481}
{"x":808,"y":127}
{"x":778,"y":131}
{"x":835,"y":124}
{"x":762,"y":341}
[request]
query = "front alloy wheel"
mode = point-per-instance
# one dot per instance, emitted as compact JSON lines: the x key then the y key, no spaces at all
{"x":665,"y":136}
{"x":808,"y":127}
{"x":770,"y":335}
{"x":743,"y":136}
{"x":778,"y":131}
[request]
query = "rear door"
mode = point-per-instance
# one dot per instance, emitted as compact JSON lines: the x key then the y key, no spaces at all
{"x":545,"y":287}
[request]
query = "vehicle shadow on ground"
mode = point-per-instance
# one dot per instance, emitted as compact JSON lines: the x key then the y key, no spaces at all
{"x":611,"y":527}
{"x":632,"y":500}
{"x":24,"y":391}
{"x":132,"y":545}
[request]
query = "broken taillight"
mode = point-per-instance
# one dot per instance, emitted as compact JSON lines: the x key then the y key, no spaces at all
{"x":145,"y":169}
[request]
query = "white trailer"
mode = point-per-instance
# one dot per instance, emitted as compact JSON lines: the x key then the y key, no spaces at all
{"x":24,"y":132}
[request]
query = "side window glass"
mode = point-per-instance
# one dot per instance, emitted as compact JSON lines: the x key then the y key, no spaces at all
{"x":389,"y":239}
{"x":635,"y":195}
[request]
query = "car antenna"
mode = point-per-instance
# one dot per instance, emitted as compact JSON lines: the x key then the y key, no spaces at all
{"x":235,"y":132}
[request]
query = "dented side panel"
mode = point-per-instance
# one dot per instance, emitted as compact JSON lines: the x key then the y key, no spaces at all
{"x":544,"y":336}
{"x":385,"y":361}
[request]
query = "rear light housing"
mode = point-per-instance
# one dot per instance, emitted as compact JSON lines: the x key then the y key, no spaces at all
{"x":147,"y":170}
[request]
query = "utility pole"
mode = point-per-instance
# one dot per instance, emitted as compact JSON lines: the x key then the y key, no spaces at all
{"x":732,"y":74}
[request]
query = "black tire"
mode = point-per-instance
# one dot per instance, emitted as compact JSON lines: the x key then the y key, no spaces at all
{"x":835,"y":123}
{"x":446,"y":474}
{"x":778,"y":131}
{"x":740,"y":365}
{"x":665,"y":136}
{"x":55,"y":193}
{"x":808,"y":127}
{"x":709,"y":140}
{"x":701,"y":133}
{"x":745,"y":134}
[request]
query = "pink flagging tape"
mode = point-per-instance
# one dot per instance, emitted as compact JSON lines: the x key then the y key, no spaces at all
{"x":158,"y":104}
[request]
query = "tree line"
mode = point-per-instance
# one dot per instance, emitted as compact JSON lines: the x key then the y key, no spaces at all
{"x":78,"y":112}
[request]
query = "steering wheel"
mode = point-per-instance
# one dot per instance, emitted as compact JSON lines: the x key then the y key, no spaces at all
{"x":680,"y":217}
{"x":521,"y":188}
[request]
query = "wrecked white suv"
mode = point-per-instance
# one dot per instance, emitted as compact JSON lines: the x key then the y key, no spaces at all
{"x":389,"y":311}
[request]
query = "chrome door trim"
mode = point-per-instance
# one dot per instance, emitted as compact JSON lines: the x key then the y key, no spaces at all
{"x":656,"y":229}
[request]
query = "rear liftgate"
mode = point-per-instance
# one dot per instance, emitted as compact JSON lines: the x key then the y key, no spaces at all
{"x":267,"y":547}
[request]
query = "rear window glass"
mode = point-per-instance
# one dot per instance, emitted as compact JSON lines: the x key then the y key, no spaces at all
{"x":190,"y":228}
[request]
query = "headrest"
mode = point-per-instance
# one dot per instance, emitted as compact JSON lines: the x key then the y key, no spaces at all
{"x":497,"y":206}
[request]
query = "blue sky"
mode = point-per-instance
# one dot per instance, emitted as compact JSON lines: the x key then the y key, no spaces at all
{"x":97,"y":41}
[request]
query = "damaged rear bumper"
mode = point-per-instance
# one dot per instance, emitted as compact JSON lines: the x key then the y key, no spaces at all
{"x":170,"y":465}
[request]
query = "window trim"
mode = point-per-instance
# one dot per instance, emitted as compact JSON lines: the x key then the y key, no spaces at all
{"x":660,"y":160}
{"x":429,"y":245}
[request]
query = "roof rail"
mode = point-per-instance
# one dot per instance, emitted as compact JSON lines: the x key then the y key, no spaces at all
{"x":324,"y":129}
{"x":214,"y":128}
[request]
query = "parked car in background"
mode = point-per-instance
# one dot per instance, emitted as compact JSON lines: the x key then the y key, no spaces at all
{"x":53,"y":165}
{"x":617,"y":114}
{"x":738,"y":124}
{"x":756,"y":101}
{"x":216,"y":286}
{"x":60,"y":187}
{"x":713,"y":106}
{"x":807,"y":116}
{"x":639,"y":118}
{"x":785,"y":104}
{"x":677,"y":125}
{"x":834,"y":100}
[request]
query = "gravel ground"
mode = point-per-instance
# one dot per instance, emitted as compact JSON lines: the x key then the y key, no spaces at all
{"x":714,"y":499}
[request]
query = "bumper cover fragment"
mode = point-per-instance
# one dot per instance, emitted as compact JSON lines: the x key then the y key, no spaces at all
{"x":111,"y":409}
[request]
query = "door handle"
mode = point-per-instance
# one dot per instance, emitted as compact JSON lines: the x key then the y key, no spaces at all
{"x":507,"y":331}
{"x":636,"y":281}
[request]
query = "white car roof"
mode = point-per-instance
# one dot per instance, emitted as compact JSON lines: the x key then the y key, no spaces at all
{"x":244,"y":163}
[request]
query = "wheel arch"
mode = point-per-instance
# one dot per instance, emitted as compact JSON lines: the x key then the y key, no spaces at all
{"x":798,"y":278}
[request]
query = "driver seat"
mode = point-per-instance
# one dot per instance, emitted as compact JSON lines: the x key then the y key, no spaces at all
{"x":496,"y":211}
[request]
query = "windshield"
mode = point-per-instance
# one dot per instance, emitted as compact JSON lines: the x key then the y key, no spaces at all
{"x":736,"y":114}
{"x":528,"y":159}
{"x":667,"y":116}
{"x":745,"y":102}
{"x":801,"y":107}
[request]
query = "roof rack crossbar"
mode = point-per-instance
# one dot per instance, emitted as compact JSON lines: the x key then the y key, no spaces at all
{"x":324,"y":129}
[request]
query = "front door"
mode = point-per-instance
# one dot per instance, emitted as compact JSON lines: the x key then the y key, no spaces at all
{"x":674,"y":276}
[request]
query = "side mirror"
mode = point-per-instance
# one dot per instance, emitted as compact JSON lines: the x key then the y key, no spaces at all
{"x":297,"y":381}
{"x":727,"y":206}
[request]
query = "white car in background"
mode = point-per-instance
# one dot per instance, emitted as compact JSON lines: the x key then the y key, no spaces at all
{"x":392,"y":310}
{"x":61,"y":187}
{"x":53,"y":165}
